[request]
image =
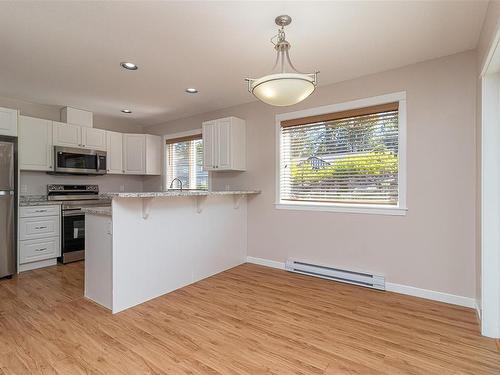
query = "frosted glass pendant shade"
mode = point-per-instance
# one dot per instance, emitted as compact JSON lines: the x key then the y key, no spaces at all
{"x":283,"y":89}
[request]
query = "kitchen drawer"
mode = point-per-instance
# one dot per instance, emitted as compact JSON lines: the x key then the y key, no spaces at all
{"x":35,"y":211}
{"x":39,"y":227}
{"x":39,"y":249}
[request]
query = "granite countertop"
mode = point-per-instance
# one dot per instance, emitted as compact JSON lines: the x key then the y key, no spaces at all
{"x":178,"y":193}
{"x":104,"y":211}
{"x":36,"y":200}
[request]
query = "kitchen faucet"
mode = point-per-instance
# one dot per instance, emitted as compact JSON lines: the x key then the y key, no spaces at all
{"x":172,"y":183}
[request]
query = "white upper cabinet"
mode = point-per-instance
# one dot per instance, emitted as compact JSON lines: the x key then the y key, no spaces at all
{"x":134,"y":153}
{"x":153,"y":154}
{"x":94,"y":139}
{"x":67,"y":135}
{"x":139,"y":154}
{"x":8,"y":121}
{"x":209,"y":129}
{"x":114,"y":144}
{"x":224,"y":145}
{"x":35,"y":144}
{"x":142,"y":154}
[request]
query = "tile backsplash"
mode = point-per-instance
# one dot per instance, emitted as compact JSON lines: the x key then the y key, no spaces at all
{"x":35,"y":183}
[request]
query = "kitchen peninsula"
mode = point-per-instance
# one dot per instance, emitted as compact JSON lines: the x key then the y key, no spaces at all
{"x":148,"y":244}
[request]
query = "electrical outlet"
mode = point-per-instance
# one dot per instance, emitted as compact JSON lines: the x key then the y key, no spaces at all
{"x":227,"y":187}
{"x":24,"y":189}
{"x":122,"y":188}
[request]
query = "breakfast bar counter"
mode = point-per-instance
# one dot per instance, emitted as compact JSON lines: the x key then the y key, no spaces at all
{"x":178,"y":193}
{"x":151,"y":243}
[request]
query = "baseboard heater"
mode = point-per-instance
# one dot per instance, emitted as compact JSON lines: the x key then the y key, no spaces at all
{"x":336,"y":274}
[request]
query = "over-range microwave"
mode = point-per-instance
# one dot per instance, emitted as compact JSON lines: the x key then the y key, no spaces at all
{"x":79,"y":161}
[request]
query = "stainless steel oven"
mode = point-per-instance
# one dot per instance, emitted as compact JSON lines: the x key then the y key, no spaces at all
{"x":73,"y":235}
{"x":79,"y":161}
{"x":73,"y":198}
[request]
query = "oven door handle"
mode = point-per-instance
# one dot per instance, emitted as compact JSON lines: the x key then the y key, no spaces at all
{"x":73,"y":213}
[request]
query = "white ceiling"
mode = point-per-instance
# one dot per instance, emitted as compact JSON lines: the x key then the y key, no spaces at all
{"x":68,"y":53}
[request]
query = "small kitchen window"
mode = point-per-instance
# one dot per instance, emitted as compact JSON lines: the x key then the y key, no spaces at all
{"x":184,"y":160}
{"x":348,"y":157}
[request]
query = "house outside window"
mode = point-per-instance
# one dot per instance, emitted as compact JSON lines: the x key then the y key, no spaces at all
{"x":348,"y":157}
{"x":184,"y":160}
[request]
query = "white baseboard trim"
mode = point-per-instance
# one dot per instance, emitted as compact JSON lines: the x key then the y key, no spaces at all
{"x":431,"y":294}
{"x":478,"y":309}
{"x":266,"y":262}
{"x":392,"y":287}
{"x":35,"y":265}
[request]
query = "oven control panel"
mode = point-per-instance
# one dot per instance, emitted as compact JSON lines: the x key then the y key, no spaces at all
{"x":59,"y":188}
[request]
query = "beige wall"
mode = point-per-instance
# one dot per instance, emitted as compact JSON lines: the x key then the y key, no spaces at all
{"x":433,"y":246}
{"x":52,"y":112}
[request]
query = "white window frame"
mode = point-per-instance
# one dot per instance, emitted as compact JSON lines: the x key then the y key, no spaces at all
{"x":401,"y":208}
{"x":164,"y":158}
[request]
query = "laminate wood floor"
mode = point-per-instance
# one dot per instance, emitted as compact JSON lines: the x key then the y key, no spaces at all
{"x":248,"y":320}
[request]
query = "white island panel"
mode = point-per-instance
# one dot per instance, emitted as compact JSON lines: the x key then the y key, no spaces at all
{"x":98,"y":260}
{"x":179,"y":241}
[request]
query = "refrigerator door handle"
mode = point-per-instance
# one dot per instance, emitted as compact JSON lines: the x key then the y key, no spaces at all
{"x":6,"y":192}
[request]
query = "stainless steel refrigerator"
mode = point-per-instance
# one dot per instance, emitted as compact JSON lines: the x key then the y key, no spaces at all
{"x":8,"y":182}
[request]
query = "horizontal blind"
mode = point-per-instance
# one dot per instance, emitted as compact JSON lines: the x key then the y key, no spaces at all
{"x":185,"y":162}
{"x":349,"y":159}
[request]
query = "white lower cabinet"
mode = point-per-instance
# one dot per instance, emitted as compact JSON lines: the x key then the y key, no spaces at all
{"x":35,"y":144}
{"x":39,"y":227}
{"x":39,"y":249}
{"x":37,"y":211}
{"x":39,"y":236}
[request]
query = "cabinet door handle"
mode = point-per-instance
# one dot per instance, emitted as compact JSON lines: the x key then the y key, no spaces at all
{"x":42,"y":249}
{"x":40,"y":227}
{"x":40,"y":210}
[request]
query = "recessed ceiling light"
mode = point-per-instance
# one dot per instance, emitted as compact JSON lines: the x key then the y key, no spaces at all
{"x":128,"y":66}
{"x":126,"y":111}
{"x":191,"y":90}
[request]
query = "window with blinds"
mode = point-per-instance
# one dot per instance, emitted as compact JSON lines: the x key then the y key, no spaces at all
{"x":348,"y":157}
{"x":184,"y":160}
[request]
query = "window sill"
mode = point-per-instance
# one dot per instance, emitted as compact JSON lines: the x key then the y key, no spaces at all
{"x":347,"y":208}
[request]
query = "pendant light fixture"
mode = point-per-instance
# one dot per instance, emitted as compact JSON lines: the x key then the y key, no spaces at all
{"x":283,"y":88}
